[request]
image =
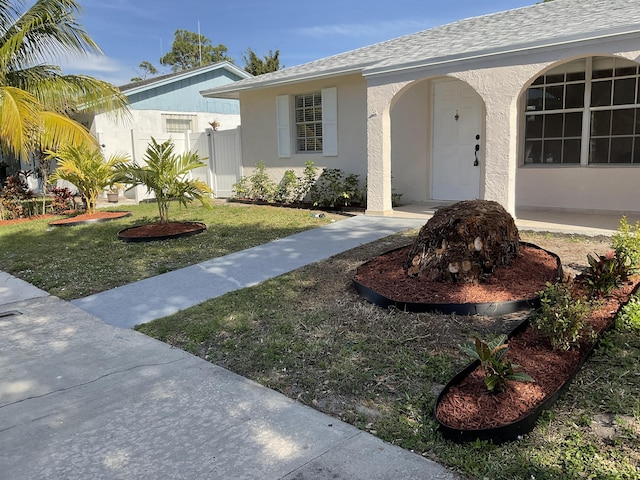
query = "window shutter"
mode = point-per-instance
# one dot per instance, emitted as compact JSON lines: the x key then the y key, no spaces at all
{"x":330,"y":122}
{"x":284,"y":130}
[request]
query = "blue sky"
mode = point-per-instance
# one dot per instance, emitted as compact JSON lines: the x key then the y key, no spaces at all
{"x":131,"y":31}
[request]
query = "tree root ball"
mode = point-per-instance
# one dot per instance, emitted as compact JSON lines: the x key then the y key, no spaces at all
{"x":464,"y":243}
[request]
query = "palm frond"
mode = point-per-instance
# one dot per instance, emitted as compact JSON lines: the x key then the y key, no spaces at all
{"x":59,"y":130}
{"x":19,"y":119}
{"x":47,"y":29}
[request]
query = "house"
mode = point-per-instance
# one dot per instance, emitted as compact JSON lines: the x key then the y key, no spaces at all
{"x":536,"y":108}
{"x":170,"y":106}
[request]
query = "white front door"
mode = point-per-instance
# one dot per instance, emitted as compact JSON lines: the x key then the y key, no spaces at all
{"x":457,"y":129}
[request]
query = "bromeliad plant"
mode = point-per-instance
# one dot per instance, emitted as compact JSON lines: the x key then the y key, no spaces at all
{"x":166,"y":175}
{"x":497,"y":368}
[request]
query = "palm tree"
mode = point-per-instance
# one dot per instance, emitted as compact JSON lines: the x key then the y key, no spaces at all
{"x":166,"y":174}
{"x":36,"y":99}
{"x":86,"y":168}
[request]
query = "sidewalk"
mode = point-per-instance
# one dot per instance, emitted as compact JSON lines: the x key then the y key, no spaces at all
{"x":80,"y":398}
{"x":170,"y":292}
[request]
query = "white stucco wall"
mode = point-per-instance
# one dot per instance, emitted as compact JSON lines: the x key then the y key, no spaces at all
{"x":411,"y":143}
{"x":259,"y":129}
{"x":500,"y":81}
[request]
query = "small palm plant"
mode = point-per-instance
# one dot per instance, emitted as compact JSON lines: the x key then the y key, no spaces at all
{"x":166,"y":175}
{"x":497,"y":368}
{"x":85,"y":167}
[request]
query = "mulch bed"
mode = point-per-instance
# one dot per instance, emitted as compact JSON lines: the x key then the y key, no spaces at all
{"x":468,"y":405}
{"x":98,"y":216}
{"x":521,"y":280}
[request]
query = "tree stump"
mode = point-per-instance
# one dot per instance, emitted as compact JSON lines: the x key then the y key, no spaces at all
{"x":464,"y":243}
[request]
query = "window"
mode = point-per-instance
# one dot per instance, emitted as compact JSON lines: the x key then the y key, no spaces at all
{"x":180,"y":123}
{"x":310,"y":125}
{"x":584,"y":112}
{"x":308,"y":115}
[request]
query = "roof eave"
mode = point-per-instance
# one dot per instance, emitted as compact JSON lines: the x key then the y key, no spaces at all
{"x":234,"y":90}
{"x":173,"y":78}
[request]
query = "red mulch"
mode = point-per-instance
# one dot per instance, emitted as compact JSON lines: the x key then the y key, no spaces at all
{"x":470,"y":406}
{"x":13,"y":221}
{"x":521,"y":280}
{"x":97,"y":216}
{"x":158,"y":230}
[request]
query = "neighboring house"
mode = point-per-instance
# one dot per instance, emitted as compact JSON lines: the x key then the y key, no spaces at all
{"x":536,"y":108}
{"x":170,"y":106}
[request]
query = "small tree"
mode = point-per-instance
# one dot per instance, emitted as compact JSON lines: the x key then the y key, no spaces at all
{"x":85,"y":167}
{"x":190,"y":50}
{"x":166,"y":176}
{"x":259,"y":66}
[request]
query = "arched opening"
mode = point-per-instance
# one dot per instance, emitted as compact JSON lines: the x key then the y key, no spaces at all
{"x":436,"y":124}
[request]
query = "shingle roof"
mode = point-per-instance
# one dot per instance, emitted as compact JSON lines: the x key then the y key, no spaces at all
{"x":169,"y":77}
{"x":535,"y":26}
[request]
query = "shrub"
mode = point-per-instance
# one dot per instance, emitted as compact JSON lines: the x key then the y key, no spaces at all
{"x":626,"y":243}
{"x":286,"y":189}
{"x":629,"y":316}
{"x":334,"y":189}
{"x":242,"y":188}
{"x":561,"y":316}
{"x":62,"y":199}
{"x":14,"y":193}
{"x":606,"y":272}
{"x":497,"y":368}
{"x":306,"y":182}
{"x":262,"y":187}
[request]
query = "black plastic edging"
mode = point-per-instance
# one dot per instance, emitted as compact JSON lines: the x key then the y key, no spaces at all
{"x":121,"y":234}
{"x":490,"y":309}
{"x":524,"y":425}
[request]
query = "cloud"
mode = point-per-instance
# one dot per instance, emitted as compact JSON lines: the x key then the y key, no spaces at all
{"x":386,"y":29}
{"x":104,"y":68}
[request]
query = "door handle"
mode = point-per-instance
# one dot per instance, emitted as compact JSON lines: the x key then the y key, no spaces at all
{"x":475,"y":153}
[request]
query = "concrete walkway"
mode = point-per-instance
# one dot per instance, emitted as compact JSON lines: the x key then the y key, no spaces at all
{"x":170,"y":292}
{"x":82,"y":399}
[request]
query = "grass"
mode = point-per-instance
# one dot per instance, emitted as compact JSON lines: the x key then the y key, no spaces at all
{"x":73,"y":262}
{"x":308,"y":335}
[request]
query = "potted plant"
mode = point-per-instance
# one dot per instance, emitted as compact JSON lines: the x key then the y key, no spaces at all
{"x":113,"y":192}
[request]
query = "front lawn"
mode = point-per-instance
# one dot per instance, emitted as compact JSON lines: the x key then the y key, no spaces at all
{"x":73,"y":262}
{"x":310,"y":336}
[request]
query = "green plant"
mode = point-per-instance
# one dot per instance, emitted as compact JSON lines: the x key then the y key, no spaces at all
{"x":85,"y":167}
{"x":286,"y":189}
{"x":497,"y":368}
{"x":36,"y":99}
{"x":561,"y":316}
{"x":242,"y":188}
{"x":333,"y":189}
{"x":626,"y":243}
{"x":606,"y":272}
{"x":629,"y":315}
{"x":166,"y":175}
{"x":262,"y":187}
{"x":306,"y":182}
